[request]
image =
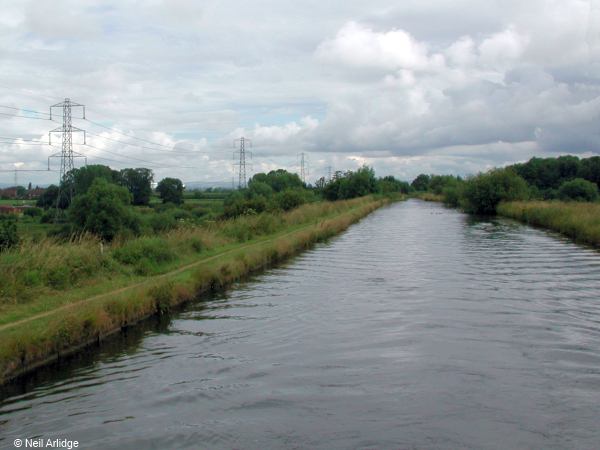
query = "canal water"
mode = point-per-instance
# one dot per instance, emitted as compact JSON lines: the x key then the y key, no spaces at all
{"x":419,"y":327}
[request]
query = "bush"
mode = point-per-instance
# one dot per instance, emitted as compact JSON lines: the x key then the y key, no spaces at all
{"x":278,"y":180}
{"x":48,"y":216}
{"x":58,"y":277}
{"x":171,"y":190}
{"x":259,"y":188}
{"x":145,"y":254}
{"x":579,"y":190}
{"x":33,"y":212}
{"x":453,"y":195}
{"x":104,"y":210}
{"x":163,"y":221}
{"x":289,"y":199}
{"x":485,"y":191}
{"x":9,"y":236}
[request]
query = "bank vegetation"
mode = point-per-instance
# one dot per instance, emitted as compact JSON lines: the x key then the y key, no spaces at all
{"x":58,"y":294}
{"x":560,"y":194}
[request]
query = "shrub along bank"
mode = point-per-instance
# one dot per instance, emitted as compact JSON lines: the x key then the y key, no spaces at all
{"x":516,"y":192}
{"x":57,"y":297}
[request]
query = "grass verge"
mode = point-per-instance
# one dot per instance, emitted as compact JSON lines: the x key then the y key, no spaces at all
{"x":51,"y":326}
{"x":577,"y":220}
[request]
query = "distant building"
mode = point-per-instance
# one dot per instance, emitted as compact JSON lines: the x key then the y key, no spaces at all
{"x":8,"y":209}
{"x":10,"y":192}
{"x":35,"y":193}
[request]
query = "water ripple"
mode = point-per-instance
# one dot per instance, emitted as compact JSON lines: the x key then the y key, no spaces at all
{"x":419,"y":327}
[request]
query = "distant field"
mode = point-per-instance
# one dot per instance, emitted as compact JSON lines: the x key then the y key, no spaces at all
{"x":31,"y":228}
{"x":12,"y":202}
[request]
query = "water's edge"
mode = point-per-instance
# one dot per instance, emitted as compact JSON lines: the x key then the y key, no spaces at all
{"x":419,"y":327}
{"x":272,"y":252}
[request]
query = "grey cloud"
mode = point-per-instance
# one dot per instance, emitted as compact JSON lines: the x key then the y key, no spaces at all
{"x":487,"y":83}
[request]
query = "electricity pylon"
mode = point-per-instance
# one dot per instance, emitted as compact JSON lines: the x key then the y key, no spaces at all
{"x":242,"y":153}
{"x":303,"y":167}
{"x":66,"y":154}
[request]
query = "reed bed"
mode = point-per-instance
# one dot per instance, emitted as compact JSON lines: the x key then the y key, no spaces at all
{"x":577,"y":220}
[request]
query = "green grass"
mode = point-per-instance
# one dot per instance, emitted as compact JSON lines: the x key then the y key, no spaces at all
{"x":58,"y":296}
{"x":12,"y":202}
{"x":577,"y":220}
{"x":31,"y":228}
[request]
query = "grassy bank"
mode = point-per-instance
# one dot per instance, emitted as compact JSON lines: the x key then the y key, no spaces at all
{"x":577,"y":220}
{"x":54,"y":297}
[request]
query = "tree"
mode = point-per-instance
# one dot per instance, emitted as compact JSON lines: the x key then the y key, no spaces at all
{"x":279,"y":180}
{"x":568,"y":167}
{"x":351,"y":184}
{"x":483,"y":192}
{"x":49,"y":198}
{"x":437,"y":183}
{"x":579,"y":190}
{"x":139,"y":183}
{"x":171,"y":190}
{"x":320,"y":183}
{"x":259,"y":188}
{"x":390,"y":184}
{"x":20,"y":191}
{"x":9,"y":236}
{"x":83,"y":177}
{"x":104,"y":210}
{"x":589,"y":169}
{"x":421,"y":183}
{"x":290,"y":199}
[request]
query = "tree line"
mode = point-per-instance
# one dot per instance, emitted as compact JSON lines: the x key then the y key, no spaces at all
{"x":138,"y":182}
{"x":282,"y":190}
{"x":109,"y":203}
{"x":566,"y":178}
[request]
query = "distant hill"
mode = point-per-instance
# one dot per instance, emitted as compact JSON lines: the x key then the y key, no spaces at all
{"x":190,"y":185}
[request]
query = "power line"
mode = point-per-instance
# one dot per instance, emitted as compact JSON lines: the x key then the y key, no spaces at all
{"x":142,"y":146}
{"x":24,"y":109}
{"x":23,"y":143}
{"x":148,"y":141}
{"x":154,"y":163}
{"x":24,"y":117}
{"x":22,"y":139}
{"x":27,"y":170}
{"x":128,"y":135}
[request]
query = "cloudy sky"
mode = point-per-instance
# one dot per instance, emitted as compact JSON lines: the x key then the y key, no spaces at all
{"x":443,"y":86}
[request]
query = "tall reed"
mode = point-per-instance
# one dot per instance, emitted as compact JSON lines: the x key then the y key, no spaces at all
{"x":578,"y":220}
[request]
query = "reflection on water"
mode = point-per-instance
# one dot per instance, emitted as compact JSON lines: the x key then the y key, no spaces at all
{"x":418,"y":328}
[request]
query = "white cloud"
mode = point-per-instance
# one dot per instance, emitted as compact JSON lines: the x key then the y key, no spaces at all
{"x":359,"y":46}
{"x":502,"y":49}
